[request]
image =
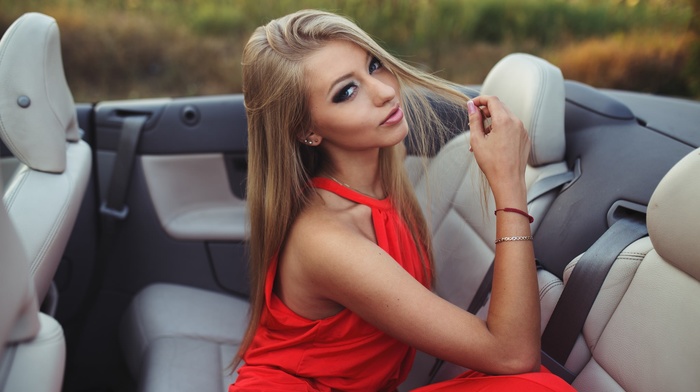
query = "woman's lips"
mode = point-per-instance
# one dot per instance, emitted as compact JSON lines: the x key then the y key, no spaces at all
{"x":394,"y":117}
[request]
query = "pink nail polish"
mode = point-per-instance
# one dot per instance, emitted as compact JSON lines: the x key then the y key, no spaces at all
{"x":471,"y":108}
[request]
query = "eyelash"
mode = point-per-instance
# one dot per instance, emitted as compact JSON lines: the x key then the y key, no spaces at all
{"x":374,"y":64}
{"x":349,"y":90}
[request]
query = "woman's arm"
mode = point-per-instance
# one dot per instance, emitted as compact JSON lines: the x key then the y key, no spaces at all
{"x":502,"y":154}
{"x":347,"y":268}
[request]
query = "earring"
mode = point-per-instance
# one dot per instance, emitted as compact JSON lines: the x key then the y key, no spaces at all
{"x":309,"y":142}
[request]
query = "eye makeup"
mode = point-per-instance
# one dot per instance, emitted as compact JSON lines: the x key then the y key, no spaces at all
{"x":349,"y":89}
{"x":345,"y":93}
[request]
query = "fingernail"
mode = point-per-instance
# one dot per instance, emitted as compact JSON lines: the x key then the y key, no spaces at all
{"x":471,"y":108}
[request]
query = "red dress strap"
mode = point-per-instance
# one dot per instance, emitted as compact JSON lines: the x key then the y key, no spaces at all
{"x":350,"y":194}
{"x":390,"y":230}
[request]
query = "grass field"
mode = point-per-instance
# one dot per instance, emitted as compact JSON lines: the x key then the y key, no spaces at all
{"x":146,"y":48}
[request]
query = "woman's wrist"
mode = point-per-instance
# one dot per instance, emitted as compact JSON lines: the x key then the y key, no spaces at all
{"x":510,"y":194}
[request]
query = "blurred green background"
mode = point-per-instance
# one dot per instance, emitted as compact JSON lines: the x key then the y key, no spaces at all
{"x":150,"y":48}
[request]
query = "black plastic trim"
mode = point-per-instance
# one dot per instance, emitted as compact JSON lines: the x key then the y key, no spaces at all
{"x":589,"y":98}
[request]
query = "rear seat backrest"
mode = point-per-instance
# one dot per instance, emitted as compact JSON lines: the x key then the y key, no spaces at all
{"x":642,"y":332}
{"x":18,"y":305}
{"x":463,"y":229}
{"x":32,"y":347}
{"x":38,"y":123}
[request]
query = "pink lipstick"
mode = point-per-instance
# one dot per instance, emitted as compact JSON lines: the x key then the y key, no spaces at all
{"x":394,"y":117}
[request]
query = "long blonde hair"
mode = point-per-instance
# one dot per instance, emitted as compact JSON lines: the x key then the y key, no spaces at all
{"x":279,"y":166}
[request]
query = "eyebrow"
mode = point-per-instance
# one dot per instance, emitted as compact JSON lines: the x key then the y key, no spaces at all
{"x":340,"y":79}
{"x":347,"y":75}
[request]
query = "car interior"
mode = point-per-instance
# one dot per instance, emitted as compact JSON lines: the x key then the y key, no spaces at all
{"x":123,"y":230}
{"x":41,"y":198}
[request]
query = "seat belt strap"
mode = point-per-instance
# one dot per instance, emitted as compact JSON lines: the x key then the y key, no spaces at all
{"x":556,"y":368}
{"x":482,"y":292}
{"x":114,"y":204}
{"x":477,"y":302}
{"x":112,"y":209}
{"x":582,"y":288}
{"x":547,"y":184}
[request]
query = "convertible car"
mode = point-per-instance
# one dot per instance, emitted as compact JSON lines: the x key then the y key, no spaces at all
{"x":123,"y":230}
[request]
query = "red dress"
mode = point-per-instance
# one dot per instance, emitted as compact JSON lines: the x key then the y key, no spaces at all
{"x":341,"y":352}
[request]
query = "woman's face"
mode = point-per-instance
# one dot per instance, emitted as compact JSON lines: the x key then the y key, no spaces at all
{"x":354,"y":101}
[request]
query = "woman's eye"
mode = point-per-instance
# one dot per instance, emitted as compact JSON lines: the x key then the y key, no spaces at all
{"x":345,"y":93}
{"x":349,"y":90}
{"x":374,"y":65}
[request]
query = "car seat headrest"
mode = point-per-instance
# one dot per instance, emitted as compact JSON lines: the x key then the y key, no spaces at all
{"x":533,"y":89}
{"x":37,"y":112}
{"x":673,"y":216}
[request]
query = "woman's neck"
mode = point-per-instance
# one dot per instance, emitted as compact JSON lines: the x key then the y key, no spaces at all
{"x":378,"y":194}
{"x":360,"y":174}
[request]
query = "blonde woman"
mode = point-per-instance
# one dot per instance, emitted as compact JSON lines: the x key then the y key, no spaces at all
{"x":340,"y":253}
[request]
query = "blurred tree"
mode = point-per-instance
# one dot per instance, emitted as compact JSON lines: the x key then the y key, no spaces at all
{"x":192,"y":47}
{"x":692,"y":69}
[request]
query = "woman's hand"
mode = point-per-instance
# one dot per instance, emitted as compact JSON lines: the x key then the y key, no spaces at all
{"x":502,"y":149}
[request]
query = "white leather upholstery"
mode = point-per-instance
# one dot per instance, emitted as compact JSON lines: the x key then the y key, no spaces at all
{"x":463,"y":228}
{"x":193,"y":199}
{"x":38,"y":124}
{"x":673,"y":216}
{"x":32,"y":347}
{"x":642,"y":333}
{"x":18,"y":305}
{"x":612,"y":290}
{"x":187,"y":364}
{"x":533,"y":89}
{"x":31,"y":67}
{"x":38,"y":363}
{"x":169,"y":331}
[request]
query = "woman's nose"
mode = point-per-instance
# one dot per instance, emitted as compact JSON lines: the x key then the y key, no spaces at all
{"x":382,"y":92}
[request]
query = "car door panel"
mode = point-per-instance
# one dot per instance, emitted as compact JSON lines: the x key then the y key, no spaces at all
{"x":186,"y":219}
{"x":192,"y":197}
{"x":183,"y":125}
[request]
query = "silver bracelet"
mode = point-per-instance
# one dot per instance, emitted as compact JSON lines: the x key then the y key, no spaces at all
{"x":517,"y":238}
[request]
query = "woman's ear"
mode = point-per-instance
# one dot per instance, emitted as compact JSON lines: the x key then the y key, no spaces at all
{"x":311,"y":139}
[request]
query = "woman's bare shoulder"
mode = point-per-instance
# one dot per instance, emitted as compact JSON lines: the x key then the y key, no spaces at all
{"x":317,"y":245}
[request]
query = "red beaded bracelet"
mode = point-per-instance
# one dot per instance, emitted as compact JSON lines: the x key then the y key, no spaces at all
{"x":517,"y":211}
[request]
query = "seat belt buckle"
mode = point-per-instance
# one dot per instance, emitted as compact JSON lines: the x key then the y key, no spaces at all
{"x":114,"y":213}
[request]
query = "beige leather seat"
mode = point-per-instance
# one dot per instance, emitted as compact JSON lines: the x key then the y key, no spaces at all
{"x":38,"y":124}
{"x":32,"y":347}
{"x":463,"y":228}
{"x":642,"y":332}
{"x":178,"y":338}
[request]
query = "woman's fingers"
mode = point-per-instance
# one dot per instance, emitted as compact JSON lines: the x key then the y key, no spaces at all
{"x":475,"y":118}
{"x":480,"y":117}
{"x":476,"y":124}
{"x":492,"y":114}
{"x":491,"y":107}
{"x":498,"y":138}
